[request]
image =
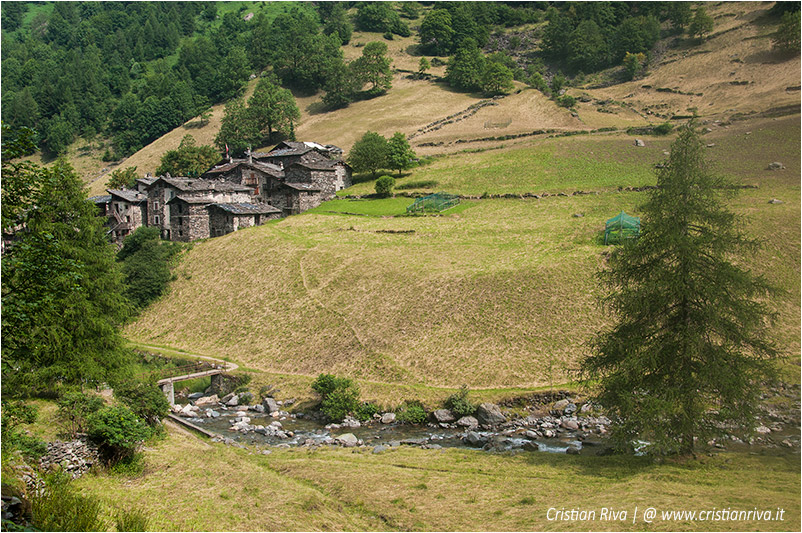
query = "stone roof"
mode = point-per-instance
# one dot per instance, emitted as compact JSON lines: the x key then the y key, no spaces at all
{"x":102,"y":199}
{"x":287,"y":152}
{"x":192,"y":199}
{"x":146,"y":181}
{"x":198,"y":185}
{"x":328,"y":164}
{"x":247,"y":209}
{"x":128,"y":195}
{"x":267,"y":168}
{"x":303,"y":186}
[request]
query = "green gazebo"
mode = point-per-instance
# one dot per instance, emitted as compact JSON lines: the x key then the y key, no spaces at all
{"x":620,"y":228}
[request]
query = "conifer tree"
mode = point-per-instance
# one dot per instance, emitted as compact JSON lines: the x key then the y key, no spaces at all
{"x":62,"y":292}
{"x":688,"y":351}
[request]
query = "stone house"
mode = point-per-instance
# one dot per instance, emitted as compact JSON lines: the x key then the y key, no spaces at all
{"x":248,"y":172}
{"x":327,"y":174}
{"x":193,"y":192}
{"x":286,"y":153}
{"x":235,"y":194}
{"x":294,"y":198}
{"x":125,"y":210}
{"x":227,"y":218}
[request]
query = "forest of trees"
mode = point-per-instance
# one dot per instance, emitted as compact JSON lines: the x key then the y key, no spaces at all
{"x":132,"y":71}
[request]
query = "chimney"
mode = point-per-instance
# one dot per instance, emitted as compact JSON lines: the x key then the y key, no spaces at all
{"x":250,"y":155}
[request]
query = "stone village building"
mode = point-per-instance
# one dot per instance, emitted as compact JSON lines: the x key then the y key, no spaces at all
{"x":239,"y":193}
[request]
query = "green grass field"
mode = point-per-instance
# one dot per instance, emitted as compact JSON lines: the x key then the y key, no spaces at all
{"x":189,"y":484}
{"x":565,"y":164}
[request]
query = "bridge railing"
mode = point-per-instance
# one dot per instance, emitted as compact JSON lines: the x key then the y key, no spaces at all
{"x":164,"y":373}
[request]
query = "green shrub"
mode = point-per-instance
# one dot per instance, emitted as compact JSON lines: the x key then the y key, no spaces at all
{"x":566,"y":101}
{"x":74,"y":407}
{"x":458,"y":403}
{"x":384,"y":186}
{"x":412,"y":412}
{"x":340,"y":396}
{"x":118,"y":431}
{"x":366,"y":411}
{"x":131,"y":520}
{"x":15,"y":413}
{"x":146,"y":400}
{"x":339,"y":403}
{"x":663,"y":129}
{"x":146,"y":261}
{"x":241,"y":383}
{"x":325,"y":384}
{"x":58,"y":506}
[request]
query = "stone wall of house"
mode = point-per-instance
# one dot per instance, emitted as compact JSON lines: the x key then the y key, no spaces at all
{"x":196,"y":223}
{"x":329,"y":181}
{"x":158,"y":195}
{"x":343,"y":180}
{"x":130,"y":216}
{"x":309,"y":199}
{"x":220,"y":222}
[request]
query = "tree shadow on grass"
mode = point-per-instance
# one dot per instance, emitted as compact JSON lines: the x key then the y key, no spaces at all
{"x":607,"y":466}
{"x":317,"y":108}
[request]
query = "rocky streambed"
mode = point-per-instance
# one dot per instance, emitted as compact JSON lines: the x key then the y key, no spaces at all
{"x":565,"y":428}
{"x":552,"y":422}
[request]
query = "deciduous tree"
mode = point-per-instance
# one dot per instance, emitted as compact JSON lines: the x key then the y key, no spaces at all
{"x":399,"y":154}
{"x":465,"y":69}
{"x":436,"y":33}
{"x":237,"y":129}
{"x":273,"y":109}
{"x":787,"y":39}
{"x":374,"y":67}
{"x":123,"y":178}
{"x":701,"y":24}
{"x":369,"y":153}
{"x":188,"y":159}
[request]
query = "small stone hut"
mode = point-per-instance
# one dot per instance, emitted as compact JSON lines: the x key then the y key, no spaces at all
{"x":226,"y":218}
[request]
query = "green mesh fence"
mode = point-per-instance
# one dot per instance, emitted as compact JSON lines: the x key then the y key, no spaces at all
{"x":436,"y":202}
{"x":621,"y":227}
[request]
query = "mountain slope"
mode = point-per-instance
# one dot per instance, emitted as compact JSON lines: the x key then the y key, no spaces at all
{"x":500,"y":294}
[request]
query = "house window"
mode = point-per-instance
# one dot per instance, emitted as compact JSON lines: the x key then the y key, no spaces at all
{"x":128,"y":219}
{"x":156,"y":220}
{"x":155,"y":205}
{"x":180,"y":233}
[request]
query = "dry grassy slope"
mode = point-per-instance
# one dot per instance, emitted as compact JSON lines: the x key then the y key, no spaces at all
{"x":739,"y":50}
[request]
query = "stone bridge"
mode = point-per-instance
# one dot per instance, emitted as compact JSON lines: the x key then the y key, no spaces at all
{"x":168,"y":387}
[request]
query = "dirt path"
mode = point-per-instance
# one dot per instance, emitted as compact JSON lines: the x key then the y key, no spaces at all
{"x":229,"y":366}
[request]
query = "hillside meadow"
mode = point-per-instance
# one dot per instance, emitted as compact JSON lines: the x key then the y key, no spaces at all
{"x":497,"y":293}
